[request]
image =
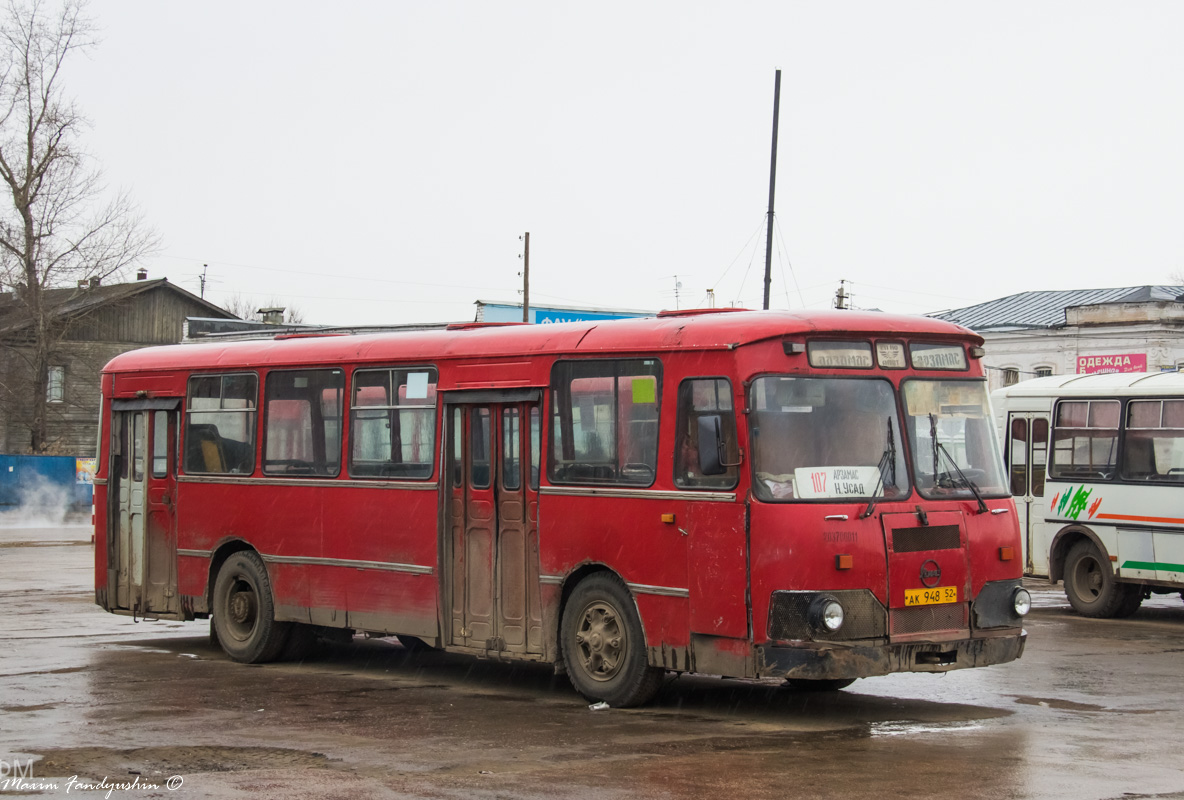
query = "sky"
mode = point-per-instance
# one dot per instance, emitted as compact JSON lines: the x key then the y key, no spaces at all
{"x":378,"y":162}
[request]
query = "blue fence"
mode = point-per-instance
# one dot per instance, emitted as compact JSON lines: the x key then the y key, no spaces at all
{"x":46,"y":481}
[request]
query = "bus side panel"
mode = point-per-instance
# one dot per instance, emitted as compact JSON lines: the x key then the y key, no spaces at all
{"x":628,"y":536}
{"x":274,"y":520}
{"x":385,"y":525}
{"x":665,"y":620}
{"x":1169,"y":556}
{"x":193,"y":576}
{"x":390,"y":602}
{"x":718,"y":568}
{"x":396,"y":529}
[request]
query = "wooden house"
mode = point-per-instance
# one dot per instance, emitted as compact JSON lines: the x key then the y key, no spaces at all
{"x":93,"y":323}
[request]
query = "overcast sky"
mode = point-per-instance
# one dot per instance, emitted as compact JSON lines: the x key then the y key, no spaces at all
{"x":377,"y":162}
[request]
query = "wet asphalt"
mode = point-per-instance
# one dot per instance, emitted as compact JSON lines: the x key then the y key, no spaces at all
{"x":1093,"y":710}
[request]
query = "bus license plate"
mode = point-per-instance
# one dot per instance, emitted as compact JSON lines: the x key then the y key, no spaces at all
{"x":930,"y":597}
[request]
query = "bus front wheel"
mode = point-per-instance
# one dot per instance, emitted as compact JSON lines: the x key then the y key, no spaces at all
{"x":244,"y":613}
{"x":603,"y":646}
{"x":1092,"y":588}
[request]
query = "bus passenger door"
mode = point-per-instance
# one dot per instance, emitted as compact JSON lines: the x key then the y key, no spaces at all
{"x":1027,"y":463}
{"x":143,"y":459}
{"x":519,"y":604}
{"x":160,"y":541}
{"x":492,"y":527}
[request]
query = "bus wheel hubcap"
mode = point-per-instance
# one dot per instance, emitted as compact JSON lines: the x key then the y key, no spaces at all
{"x":601,"y":641}
{"x":242,"y":607}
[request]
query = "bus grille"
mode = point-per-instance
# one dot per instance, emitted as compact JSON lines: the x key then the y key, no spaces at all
{"x":928,"y":619}
{"x":928,"y":537}
{"x":789,"y":616}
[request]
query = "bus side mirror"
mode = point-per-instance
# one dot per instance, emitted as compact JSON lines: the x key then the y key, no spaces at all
{"x":711,"y":446}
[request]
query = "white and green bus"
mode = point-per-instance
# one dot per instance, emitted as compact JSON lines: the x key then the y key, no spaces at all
{"x":1096,"y":465}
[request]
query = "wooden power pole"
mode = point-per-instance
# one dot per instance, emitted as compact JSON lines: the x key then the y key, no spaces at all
{"x":526,"y":278}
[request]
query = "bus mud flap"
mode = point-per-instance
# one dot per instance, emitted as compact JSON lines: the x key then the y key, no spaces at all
{"x":670,"y":657}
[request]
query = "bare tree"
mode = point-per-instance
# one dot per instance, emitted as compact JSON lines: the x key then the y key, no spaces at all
{"x":249,"y":308}
{"x":62,"y":228}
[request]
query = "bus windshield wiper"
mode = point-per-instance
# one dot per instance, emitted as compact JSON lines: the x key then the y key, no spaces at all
{"x":967,"y":482}
{"x":887,"y":461}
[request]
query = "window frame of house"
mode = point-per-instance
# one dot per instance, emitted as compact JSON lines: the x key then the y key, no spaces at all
{"x":1010,"y":376}
{"x":55,"y":384}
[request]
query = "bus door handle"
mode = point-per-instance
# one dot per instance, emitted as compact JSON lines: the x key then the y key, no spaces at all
{"x":838,"y":517}
{"x":1000,"y":510}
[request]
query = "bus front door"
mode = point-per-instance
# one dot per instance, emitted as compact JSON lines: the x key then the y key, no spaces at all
{"x":144,"y":578}
{"x":491,"y":528}
{"x":1027,"y":462}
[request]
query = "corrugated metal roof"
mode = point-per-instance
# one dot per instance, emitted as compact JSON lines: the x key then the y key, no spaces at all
{"x":1047,"y":309}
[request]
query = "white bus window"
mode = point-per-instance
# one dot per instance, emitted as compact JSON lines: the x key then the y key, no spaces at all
{"x":1085,"y":440}
{"x":1154,"y":446}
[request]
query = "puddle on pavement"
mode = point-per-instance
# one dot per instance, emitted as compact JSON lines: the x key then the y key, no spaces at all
{"x":1069,"y":705}
{"x":19,"y":709}
{"x":158,"y":762}
{"x":912,"y":728}
{"x":1061,"y":705}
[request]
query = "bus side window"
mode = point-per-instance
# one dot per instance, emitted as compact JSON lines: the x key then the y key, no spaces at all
{"x":302,"y":423}
{"x":220,"y":424}
{"x":1154,"y":446}
{"x":1085,"y":439}
{"x":708,"y":400}
{"x":393,"y":423}
{"x":605,"y":426}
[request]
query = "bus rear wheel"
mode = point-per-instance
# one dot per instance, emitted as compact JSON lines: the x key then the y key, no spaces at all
{"x":603,"y":645}
{"x":1092,"y":588}
{"x":244,"y":612}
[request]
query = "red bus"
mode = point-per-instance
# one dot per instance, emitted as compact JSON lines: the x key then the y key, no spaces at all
{"x":817,"y":497}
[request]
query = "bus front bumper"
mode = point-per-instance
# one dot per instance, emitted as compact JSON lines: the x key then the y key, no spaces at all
{"x":832,"y":661}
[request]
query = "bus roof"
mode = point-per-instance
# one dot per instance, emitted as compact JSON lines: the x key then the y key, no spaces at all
{"x":1114,"y":383}
{"x":703,"y":329}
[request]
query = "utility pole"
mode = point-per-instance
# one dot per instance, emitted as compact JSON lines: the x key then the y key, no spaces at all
{"x":204,"y":267}
{"x":526,"y":278}
{"x":841,"y":296}
{"x":772,"y":189}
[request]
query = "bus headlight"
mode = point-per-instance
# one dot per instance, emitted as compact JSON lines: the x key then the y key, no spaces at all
{"x":1022,"y":601}
{"x":827,"y":614}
